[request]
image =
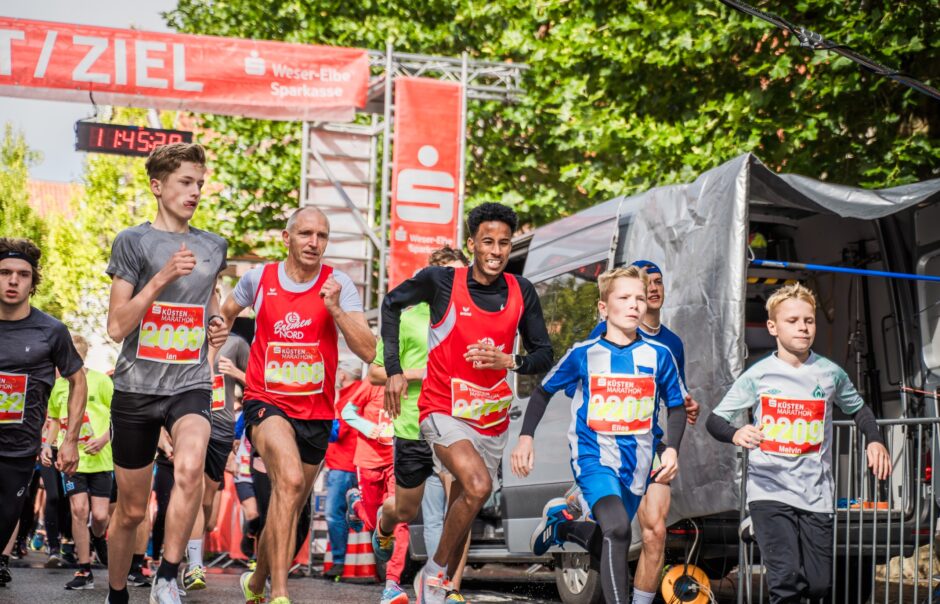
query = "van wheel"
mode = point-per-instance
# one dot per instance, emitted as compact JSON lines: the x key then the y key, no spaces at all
{"x":577,"y":583}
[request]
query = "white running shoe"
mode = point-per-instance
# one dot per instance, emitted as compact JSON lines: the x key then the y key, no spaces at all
{"x":165,"y":592}
{"x":429,"y":589}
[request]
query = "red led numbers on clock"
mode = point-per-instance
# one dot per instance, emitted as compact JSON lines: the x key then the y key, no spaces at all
{"x":125,"y":140}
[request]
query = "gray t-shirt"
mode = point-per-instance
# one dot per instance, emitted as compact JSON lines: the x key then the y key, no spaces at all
{"x":171,"y":359}
{"x":235,"y":349}
{"x":244,"y":292}
{"x":794,"y":463}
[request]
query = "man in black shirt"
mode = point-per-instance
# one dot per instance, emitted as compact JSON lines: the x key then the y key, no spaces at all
{"x":34,"y":346}
{"x":463,"y":407}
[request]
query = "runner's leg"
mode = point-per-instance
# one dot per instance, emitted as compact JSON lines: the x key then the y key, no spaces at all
{"x":133,"y":496}
{"x":469,"y":470}
{"x":80,"y":509}
{"x":652,"y":516}
{"x":456,"y":575}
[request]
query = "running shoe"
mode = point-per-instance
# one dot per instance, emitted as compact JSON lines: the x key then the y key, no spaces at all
{"x":429,"y":589}
{"x":250,"y":596}
{"x":573,"y":500}
{"x":382,"y":545}
{"x":81,"y":580}
{"x":281,"y":600}
{"x":454,"y":597}
{"x":100,"y":545}
{"x":194,"y":579}
{"x":19,"y":549}
{"x":252,"y":564}
{"x":546,"y":533}
{"x":36,"y":543}
{"x":54,"y":560}
{"x":335,"y":572}
{"x":165,"y":592}
{"x":137,"y":578}
{"x":352,"y":498}
{"x":394,"y":594}
{"x":5,"y":576}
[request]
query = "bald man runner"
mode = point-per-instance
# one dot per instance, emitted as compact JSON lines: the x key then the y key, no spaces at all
{"x":301,"y":306}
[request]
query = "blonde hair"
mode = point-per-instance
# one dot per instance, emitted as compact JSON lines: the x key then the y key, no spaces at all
{"x":795,"y":291}
{"x":166,"y":159}
{"x":81,"y":345}
{"x":606,"y":279}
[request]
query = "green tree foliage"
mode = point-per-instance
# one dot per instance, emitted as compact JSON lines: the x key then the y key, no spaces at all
{"x":620,"y":96}
{"x":17,"y":218}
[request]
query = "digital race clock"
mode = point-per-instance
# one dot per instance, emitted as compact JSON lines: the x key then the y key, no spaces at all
{"x":125,"y":140}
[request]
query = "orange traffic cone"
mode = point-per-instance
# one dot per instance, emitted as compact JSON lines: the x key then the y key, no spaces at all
{"x":328,"y":557}
{"x":360,"y":561}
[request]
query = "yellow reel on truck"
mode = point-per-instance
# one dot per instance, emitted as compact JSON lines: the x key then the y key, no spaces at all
{"x":687,"y":584}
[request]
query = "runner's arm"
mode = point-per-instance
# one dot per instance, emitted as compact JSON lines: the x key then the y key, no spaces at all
{"x":675,"y":426}
{"x":534,"y":334}
{"x":67,"y":461}
{"x":356,"y":331}
{"x":865,"y":420}
{"x":420,"y":288}
{"x":351,"y":416}
{"x":720,"y":429}
{"x":534,"y":411}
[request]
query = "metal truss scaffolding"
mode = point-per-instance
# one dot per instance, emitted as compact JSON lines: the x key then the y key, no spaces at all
{"x":339,"y":172}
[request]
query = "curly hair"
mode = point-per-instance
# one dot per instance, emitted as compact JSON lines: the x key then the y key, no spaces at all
{"x":488,"y":212}
{"x":26,"y":248}
{"x":446,"y":255}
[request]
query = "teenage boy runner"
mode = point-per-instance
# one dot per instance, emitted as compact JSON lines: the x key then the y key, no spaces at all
{"x":34,"y":346}
{"x":618,"y":380}
{"x":654,"y":508}
{"x":414,"y":462}
{"x":464,"y":402}
{"x":789,"y":480}
{"x":233,"y":356}
{"x":300,"y":306}
{"x":164,"y":309}
{"x":89,"y":489}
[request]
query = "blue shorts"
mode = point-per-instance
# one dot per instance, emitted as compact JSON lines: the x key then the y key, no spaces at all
{"x":599,"y":481}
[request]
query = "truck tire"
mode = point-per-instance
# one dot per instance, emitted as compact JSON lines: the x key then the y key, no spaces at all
{"x":577,"y":583}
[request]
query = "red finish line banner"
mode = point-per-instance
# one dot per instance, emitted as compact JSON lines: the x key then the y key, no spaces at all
{"x":259,"y":79}
{"x":425,"y":173}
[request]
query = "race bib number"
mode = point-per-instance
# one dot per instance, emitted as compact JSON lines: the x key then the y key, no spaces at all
{"x":792,"y":427}
{"x":84,"y":435}
{"x":218,"y":392}
{"x":172,"y":333}
{"x":621,"y":404}
{"x":12,"y":397}
{"x":483,"y":407}
{"x":293,"y":369}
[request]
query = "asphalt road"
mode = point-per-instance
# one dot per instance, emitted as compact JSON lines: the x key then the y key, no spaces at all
{"x":32,"y":583}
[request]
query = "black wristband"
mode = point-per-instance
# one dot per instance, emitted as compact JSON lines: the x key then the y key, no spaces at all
{"x":219,"y":317}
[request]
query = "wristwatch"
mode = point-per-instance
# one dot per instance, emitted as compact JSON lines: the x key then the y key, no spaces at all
{"x":516,"y":362}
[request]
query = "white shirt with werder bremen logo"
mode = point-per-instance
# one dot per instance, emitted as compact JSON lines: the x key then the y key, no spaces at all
{"x":793,"y":407}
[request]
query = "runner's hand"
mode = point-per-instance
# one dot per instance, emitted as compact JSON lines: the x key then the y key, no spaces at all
{"x":218,"y":332}
{"x":487,"y":356}
{"x":879,"y":460}
{"x":45,"y":456}
{"x":748,"y":437}
{"x":95,"y":445}
{"x":670,"y":466}
{"x":179,"y":265}
{"x":691,"y":409}
{"x":330,"y":293}
{"x":376,"y":432}
{"x":165,"y":444}
{"x":227,"y":367}
{"x":396,"y":388}
{"x":523,"y":457}
{"x":67,"y":460}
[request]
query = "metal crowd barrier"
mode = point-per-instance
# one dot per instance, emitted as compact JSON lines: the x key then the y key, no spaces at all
{"x":883,"y":537}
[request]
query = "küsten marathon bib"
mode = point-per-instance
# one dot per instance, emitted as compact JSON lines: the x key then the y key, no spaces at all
{"x":218,"y":392}
{"x":293,"y":369}
{"x":484,"y":407}
{"x":621,"y":405}
{"x":792,"y":427}
{"x":12,"y":397}
{"x":387,"y":428}
{"x":172,"y":333}
{"x":84,"y":435}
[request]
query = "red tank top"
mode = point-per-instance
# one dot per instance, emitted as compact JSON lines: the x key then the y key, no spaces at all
{"x":480,"y":397}
{"x":293,"y":358}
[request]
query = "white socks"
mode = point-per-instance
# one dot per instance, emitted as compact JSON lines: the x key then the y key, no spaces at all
{"x":642,"y":597}
{"x":194,"y":552}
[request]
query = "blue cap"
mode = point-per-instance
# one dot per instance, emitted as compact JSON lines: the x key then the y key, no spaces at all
{"x":649,"y":266}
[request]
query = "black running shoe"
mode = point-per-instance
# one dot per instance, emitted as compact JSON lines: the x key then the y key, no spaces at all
{"x":83,"y":579}
{"x":5,"y":576}
{"x":137,"y":578}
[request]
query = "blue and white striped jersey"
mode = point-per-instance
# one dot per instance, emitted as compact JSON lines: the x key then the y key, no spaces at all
{"x":613,"y":408}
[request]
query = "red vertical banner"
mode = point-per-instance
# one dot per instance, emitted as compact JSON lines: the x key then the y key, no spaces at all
{"x":425,"y":173}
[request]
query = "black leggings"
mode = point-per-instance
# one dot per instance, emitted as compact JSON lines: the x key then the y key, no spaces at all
{"x":58,"y":511}
{"x":608,"y":541}
{"x":162,"y":485}
{"x":28,"y":513}
{"x":16,"y":474}
{"x":262,"y":484}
